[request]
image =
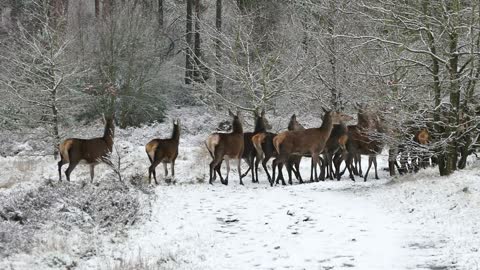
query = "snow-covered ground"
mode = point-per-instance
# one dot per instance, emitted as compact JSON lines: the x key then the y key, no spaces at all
{"x":418,"y":221}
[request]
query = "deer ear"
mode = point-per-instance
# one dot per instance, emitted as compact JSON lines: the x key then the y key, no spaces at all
{"x":230,"y":113}
{"x":294,"y":117}
{"x":178,"y":122}
{"x":324,"y":109}
{"x":238,"y":113}
{"x":263,"y":112}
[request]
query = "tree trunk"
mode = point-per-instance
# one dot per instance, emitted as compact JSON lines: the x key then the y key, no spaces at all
{"x":160,"y":13}
{"x":107,"y":8}
{"x":58,"y":13}
{"x":218,"y":52}
{"x":188,"y":52}
{"x":335,"y":94}
{"x":199,"y":70}
{"x":453,"y":119}
{"x":439,"y":129}
{"x":97,"y":8}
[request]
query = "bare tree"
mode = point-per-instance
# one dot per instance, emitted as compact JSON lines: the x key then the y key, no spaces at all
{"x":160,"y":13}
{"x":36,"y":72}
{"x":439,"y":52}
{"x":255,"y":79}
{"x":188,"y":38}
{"x":218,"y":52}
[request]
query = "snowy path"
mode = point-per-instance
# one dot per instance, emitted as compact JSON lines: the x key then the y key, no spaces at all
{"x":295,"y":227}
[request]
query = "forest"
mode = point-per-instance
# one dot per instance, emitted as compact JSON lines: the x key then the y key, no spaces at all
{"x":401,"y":74}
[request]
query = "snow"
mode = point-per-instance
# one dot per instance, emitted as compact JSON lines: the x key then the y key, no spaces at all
{"x":417,"y":221}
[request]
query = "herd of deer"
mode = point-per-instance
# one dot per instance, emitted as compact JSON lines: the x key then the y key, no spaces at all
{"x":328,"y":146}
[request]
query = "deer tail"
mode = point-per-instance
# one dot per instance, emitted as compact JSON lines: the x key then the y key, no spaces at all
{"x":150,"y":148}
{"x":257,"y":141}
{"x":64,"y":147}
{"x":211,"y":142}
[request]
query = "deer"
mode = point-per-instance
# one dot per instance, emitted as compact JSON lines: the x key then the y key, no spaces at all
{"x":163,"y":151}
{"x":309,"y":141}
{"x":92,"y":151}
{"x":249,"y":152}
{"x":413,"y":144}
{"x":226,"y":146}
{"x":361,"y":141}
{"x":336,"y":151}
{"x":265,"y":150}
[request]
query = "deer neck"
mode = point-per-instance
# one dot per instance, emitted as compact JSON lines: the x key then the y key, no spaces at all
{"x":176,"y":133}
{"x":237,"y":127}
{"x":327,"y":125}
{"x":259,"y":126}
{"x":108,"y":134}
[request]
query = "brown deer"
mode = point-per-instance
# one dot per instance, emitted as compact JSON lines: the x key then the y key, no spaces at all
{"x":263,"y":143}
{"x":309,"y":141}
{"x":226,"y":146}
{"x":92,"y":151}
{"x":364,"y":140}
{"x":335,"y":151}
{"x":249,"y":152}
{"x":163,"y":151}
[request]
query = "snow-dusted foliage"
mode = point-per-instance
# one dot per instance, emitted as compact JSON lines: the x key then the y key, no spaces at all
{"x":62,"y":217}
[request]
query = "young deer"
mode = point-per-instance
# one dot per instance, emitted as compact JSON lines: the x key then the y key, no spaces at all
{"x":226,"y":146}
{"x":92,"y":151}
{"x":309,"y":141}
{"x":163,"y":151}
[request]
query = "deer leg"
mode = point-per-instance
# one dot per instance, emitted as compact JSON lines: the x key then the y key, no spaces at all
{"x":280,"y":173}
{"x":257,"y":162}
{"x":252,"y":167}
{"x":70,"y":168}
{"x":214,"y":165}
{"x":289,"y":171}
{"x":323,"y":169}
{"x":316,"y":161}
{"x":277,"y":163}
{"x":359,"y":157}
{"x":239,"y":168}
{"x":311,"y":170}
{"x":297,"y":171}
{"x":227,"y":161}
{"x":60,"y":164}
{"x":375,"y":164}
{"x":165,"y":168}
{"x":248,"y":170}
{"x":151,"y":171}
{"x":370,"y":162}
{"x":330,"y":166}
{"x":173,"y":168}
{"x":264,"y":165}
{"x":92,"y":172}
{"x":274,"y":166}
{"x":216,"y":171}
{"x":212,"y":176}
{"x":337,"y":162}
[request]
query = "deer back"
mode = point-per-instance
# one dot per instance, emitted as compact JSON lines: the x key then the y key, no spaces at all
{"x":228,"y":144}
{"x":90,"y":150}
{"x":165,"y":149}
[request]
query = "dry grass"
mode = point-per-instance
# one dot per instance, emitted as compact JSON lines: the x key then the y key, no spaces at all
{"x":140,"y":262}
